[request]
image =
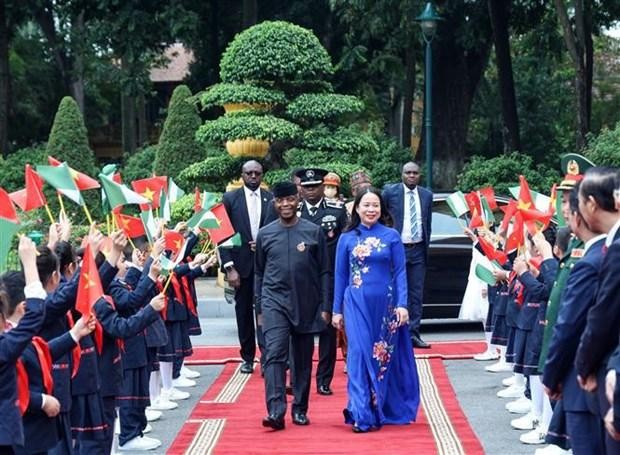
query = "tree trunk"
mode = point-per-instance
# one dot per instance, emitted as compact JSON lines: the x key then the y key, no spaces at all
{"x":456,"y":74}
{"x":250,"y":13}
{"x":575,"y":42}
{"x":213,"y":43}
{"x":5,"y":79}
{"x":499,"y":12}
{"x":77,"y":74}
{"x":409,"y":89}
{"x":143,"y":135}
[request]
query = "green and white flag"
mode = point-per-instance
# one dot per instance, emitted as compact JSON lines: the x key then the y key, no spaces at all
{"x":118,"y":194}
{"x":208,"y":200}
{"x":541,"y":202}
{"x":60,"y":178}
{"x":487,"y":213}
{"x":164,"y":203}
{"x":456,"y":202}
{"x":167,"y":265}
{"x":204,"y":219}
{"x":174,"y":192}
{"x":485,"y":275}
{"x":149,"y":224}
{"x":232,"y":242}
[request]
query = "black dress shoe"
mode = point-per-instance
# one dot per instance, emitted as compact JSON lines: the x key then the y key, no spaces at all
{"x":299,"y":418}
{"x":247,"y":367}
{"x":357,"y":429}
{"x":274,"y":422}
{"x":324,"y":390}
{"x":419,"y":342}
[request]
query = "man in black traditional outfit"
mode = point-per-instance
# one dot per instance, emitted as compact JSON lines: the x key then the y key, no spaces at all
{"x":292,"y":279}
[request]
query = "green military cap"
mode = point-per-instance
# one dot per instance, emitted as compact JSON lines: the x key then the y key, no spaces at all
{"x":573,"y":166}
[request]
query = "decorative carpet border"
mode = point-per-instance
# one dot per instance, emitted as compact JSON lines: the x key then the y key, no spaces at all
{"x":207,"y":435}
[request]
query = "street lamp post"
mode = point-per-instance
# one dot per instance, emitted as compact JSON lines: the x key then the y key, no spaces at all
{"x":428,"y":23}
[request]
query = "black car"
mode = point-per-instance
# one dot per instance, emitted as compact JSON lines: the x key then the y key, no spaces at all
{"x":449,"y":258}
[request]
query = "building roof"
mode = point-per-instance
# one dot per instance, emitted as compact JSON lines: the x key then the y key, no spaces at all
{"x":179,"y":59}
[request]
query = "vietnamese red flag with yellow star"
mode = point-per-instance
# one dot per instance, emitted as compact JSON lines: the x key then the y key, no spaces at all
{"x":82,"y":181}
{"x":516,"y":239}
{"x":130,"y":225}
{"x":175,"y":242}
{"x":9,"y":225}
{"x":89,"y":286}
{"x":225,"y":229}
{"x":525,"y":195}
{"x":31,"y":197}
{"x":150,"y":188}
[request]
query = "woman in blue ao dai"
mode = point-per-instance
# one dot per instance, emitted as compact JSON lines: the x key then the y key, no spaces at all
{"x":370,"y":302}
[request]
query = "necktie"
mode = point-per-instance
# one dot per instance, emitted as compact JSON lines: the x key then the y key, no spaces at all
{"x":312,"y":210}
{"x":415,"y":231}
{"x":254,"y":221}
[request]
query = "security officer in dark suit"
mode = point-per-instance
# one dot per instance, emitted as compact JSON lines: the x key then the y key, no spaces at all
{"x":332,"y":217}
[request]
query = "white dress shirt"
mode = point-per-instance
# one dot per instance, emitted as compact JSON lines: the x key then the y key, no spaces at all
{"x":406,"y":232}
{"x":253,"y":203}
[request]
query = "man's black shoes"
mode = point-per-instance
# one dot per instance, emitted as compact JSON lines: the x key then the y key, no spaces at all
{"x":274,"y":422}
{"x":419,"y":342}
{"x":324,"y":390}
{"x":247,"y":367}
{"x":299,"y":418}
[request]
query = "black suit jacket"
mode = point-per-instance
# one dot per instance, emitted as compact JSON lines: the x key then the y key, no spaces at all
{"x":600,"y":337}
{"x":394,"y":198}
{"x":237,"y":209}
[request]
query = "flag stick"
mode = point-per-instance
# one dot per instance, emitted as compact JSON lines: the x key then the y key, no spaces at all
{"x":107,"y":222}
{"x":207,"y":245}
{"x":88,"y":217}
{"x":62,"y":204}
{"x":167,"y":282}
{"x":133,"y":245}
{"x":49,"y":213}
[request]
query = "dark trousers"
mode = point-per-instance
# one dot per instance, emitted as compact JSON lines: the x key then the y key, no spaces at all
{"x":109,"y":414}
{"x":416,"y":270}
{"x":90,"y":446}
{"x":65,"y":444}
{"x":133,"y":421}
{"x":586,"y":433}
{"x":277,"y":333}
{"x":327,"y":357}
{"x":177,"y":363}
{"x":244,"y":311}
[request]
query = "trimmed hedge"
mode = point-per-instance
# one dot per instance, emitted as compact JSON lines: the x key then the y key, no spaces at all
{"x":242,"y":126}
{"x":220,"y":94}
{"x":323,"y":106}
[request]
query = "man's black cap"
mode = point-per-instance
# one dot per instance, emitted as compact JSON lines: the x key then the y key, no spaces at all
{"x":284,"y":189}
{"x":311,"y":176}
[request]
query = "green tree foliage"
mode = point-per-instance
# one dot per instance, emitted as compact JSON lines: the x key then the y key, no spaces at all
{"x":223,"y":93}
{"x":244,"y":125}
{"x":604,"y":149}
{"x":12,"y":167}
{"x":177,"y":147}
{"x":323,"y":106}
{"x":211,"y":174}
{"x":503,"y":172}
{"x":139,"y":165}
{"x":275,"y":51}
{"x":68,"y":139}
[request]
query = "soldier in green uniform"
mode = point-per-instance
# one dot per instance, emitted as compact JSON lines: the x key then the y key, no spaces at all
{"x":573,"y":165}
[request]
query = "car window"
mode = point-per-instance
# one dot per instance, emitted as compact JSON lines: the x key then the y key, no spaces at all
{"x":444,"y":222}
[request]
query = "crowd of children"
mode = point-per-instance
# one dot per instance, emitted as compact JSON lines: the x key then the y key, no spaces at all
{"x":67,"y":377}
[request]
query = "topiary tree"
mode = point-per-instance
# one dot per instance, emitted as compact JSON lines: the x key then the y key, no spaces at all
{"x":604,"y":149}
{"x":68,"y":140}
{"x":139,"y":165}
{"x":177,"y":147}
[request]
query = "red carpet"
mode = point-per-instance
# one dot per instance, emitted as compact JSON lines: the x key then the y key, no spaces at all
{"x":216,"y":355}
{"x":227,"y":419}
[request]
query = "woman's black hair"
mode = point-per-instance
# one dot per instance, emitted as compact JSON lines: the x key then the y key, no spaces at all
{"x":386,"y":217}
{"x":47,"y":264}
{"x":600,"y":183}
{"x":562,"y":238}
{"x":12,"y":284}
{"x":66,"y":255}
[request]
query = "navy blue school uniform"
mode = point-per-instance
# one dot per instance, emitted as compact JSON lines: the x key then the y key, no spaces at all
{"x":133,"y":396}
{"x":529,"y":332}
{"x":500,"y":330}
{"x":513,"y":309}
{"x":87,"y":414}
{"x":115,"y":329}
{"x":491,"y":297}
{"x":41,"y":432}
{"x":584,"y":427}
{"x":12,"y":344}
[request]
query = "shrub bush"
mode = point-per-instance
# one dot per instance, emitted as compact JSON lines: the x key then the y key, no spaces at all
{"x":140,"y":164}
{"x":211,"y":174}
{"x":223,"y":93}
{"x":503,"y":172}
{"x":177,"y":146}
{"x":323,"y":106}
{"x":12,"y":167}
{"x":242,"y":126}
{"x":604,"y":149}
{"x":68,"y":139}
